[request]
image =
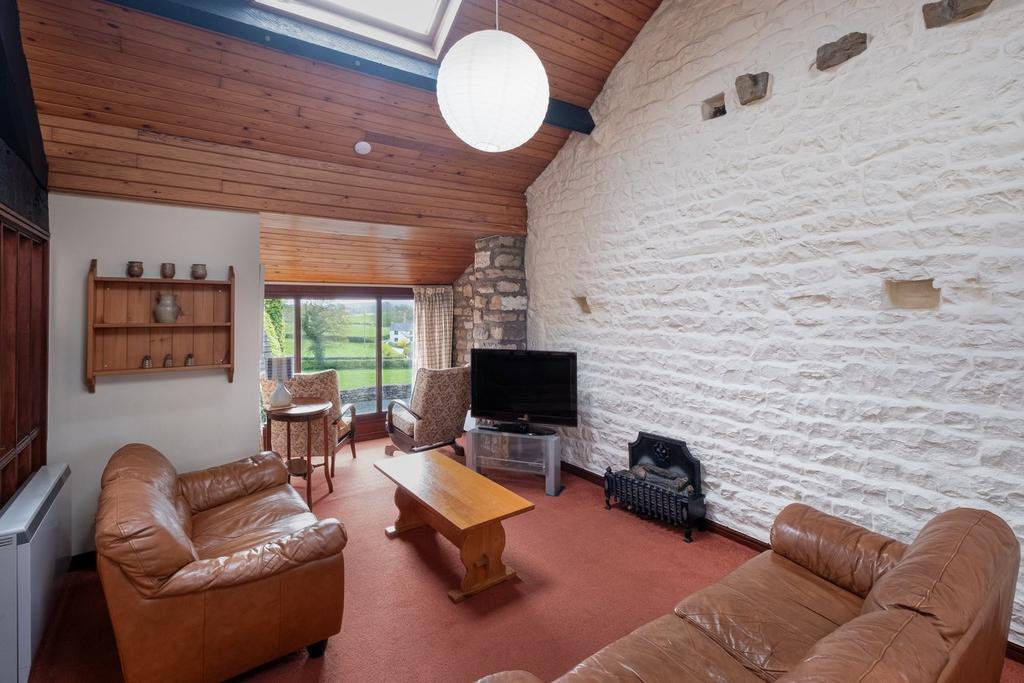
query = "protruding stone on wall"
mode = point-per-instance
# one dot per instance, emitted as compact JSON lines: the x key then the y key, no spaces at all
{"x":846,"y":48}
{"x":947,"y":11}
{"x":752,"y":87}
{"x":912,"y":294}
{"x":491,"y":299}
{"x":713,"y":107}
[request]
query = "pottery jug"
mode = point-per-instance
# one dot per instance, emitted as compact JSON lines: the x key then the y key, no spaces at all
{"x":167,"y":309}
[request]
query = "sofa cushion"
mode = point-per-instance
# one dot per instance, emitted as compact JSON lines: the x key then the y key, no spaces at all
{"x":404,"y":422}
{"x":666,"y":650}
{"x":950,"y":570}
{"x":215,"y":486}
{"x":897,"y":646}
{"x":769,"y":613}
{"x":250,"y":521}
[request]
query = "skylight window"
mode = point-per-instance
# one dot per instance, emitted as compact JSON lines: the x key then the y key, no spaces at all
{"x":416,"y":26}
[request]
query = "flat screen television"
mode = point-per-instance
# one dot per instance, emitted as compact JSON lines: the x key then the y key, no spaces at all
{"x":525,"y":387}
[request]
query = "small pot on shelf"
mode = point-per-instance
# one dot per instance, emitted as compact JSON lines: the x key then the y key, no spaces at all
{"x":134,"y":269}
{"x":167,"y":270}
{"x":198,"y":271}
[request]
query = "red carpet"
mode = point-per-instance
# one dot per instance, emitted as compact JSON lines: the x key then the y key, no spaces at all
{"x":586,"y":577}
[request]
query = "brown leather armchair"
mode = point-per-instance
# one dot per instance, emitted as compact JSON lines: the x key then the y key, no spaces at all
{"x":211,"y":573}
{"x":436,"y":415}
{"x":833,"y":602}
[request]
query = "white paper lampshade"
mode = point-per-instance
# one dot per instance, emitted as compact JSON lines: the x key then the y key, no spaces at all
{"x":492,"y":90}
{"x":280,"y":367}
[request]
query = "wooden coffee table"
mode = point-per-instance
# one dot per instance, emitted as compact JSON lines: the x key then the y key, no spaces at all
{"x":461,"y":505}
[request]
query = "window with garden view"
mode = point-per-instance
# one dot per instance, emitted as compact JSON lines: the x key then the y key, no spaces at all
{"x":368,"y":340}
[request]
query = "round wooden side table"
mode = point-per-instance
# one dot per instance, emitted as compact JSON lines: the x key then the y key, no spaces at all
{"x":305,"y":410}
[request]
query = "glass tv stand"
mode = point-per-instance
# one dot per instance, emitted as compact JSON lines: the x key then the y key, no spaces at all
{"x":536,"y":451}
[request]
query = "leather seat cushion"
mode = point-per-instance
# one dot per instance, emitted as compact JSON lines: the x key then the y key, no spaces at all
{"x":770,"y":612}
{"x":667,"y":650}
{"x":250,"y":521}
{"x":894,"y":646}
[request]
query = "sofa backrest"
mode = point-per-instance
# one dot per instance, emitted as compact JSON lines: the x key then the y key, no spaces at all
{"x":950,"y":573}
{"x":143,"y":523}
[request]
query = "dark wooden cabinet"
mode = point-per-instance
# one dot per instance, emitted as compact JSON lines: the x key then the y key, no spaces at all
{"x":24,"y":279}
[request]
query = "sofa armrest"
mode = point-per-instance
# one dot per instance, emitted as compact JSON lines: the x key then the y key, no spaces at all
{"x":215,"y":486}
{"x":324,"y":539}
{"x":838,"y":551}
{"x":511,"y":677}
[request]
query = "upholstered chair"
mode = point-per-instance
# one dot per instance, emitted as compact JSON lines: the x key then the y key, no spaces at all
{"x":436,"y":414}
{"x":341,"y":420}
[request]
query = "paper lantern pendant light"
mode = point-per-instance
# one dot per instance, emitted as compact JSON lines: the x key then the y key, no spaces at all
{"x":492,"y":90}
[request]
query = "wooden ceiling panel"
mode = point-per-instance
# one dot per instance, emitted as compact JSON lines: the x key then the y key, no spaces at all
{"x":138,"y":106}
{"x":317,"y":250}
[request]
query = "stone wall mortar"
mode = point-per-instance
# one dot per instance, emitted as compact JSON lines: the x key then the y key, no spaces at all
{"x":735,"y":268}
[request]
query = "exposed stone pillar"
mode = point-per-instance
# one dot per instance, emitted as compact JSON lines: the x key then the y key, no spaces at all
{"x":490,"y":299}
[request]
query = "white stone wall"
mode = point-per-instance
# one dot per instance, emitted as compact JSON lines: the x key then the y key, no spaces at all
{"x":735,"y":268}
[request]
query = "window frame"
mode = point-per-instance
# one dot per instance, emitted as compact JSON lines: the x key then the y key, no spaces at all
{"x":371,"y":28}
{"x":372,"y":424}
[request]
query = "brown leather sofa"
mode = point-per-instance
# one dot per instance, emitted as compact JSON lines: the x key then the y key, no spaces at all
{"x":212,"y":573}
{"x":832,"y":602}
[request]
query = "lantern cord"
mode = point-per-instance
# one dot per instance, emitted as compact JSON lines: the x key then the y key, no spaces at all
{"x":496,"y":25}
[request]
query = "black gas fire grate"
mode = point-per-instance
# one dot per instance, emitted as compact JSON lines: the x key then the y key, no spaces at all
{"x":662,"y":483}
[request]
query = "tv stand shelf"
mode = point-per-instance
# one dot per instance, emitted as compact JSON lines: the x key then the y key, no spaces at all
{"x":516,"y":451}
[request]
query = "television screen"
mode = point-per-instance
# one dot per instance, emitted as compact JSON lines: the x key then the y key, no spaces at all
{"x":528,"y":386}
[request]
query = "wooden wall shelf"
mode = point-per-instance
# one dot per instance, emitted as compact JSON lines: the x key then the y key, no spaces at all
{"x":121,"y":329}
{"x":147,"y":371}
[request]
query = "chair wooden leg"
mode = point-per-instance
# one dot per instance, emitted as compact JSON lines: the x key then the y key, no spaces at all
{"x":352,"y":445}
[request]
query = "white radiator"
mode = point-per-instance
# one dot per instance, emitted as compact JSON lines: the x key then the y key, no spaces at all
{"x":35,"y":549}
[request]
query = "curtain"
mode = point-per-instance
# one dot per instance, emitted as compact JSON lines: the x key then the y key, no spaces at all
{"x":433,"y":330}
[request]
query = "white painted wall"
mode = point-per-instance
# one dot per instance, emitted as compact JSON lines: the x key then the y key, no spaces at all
{"x":735,"y":267}
{"x":195,"y":419}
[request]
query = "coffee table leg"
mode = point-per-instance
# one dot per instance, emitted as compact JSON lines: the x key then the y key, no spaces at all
{"x":409,"y":516}
{"x":480,"y":551}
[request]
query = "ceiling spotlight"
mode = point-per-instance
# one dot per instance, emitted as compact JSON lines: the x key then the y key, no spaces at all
{"x":362,"y":147}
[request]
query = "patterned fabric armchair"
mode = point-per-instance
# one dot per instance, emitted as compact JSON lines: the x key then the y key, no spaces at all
{"x":322,"y":386}
{"x":436,"y":414}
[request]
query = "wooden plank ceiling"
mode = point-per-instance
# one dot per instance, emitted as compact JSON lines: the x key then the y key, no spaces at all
{"x":136,"y":106}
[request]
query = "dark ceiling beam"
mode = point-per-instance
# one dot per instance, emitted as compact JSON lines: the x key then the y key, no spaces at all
{"x":240,"y":19}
